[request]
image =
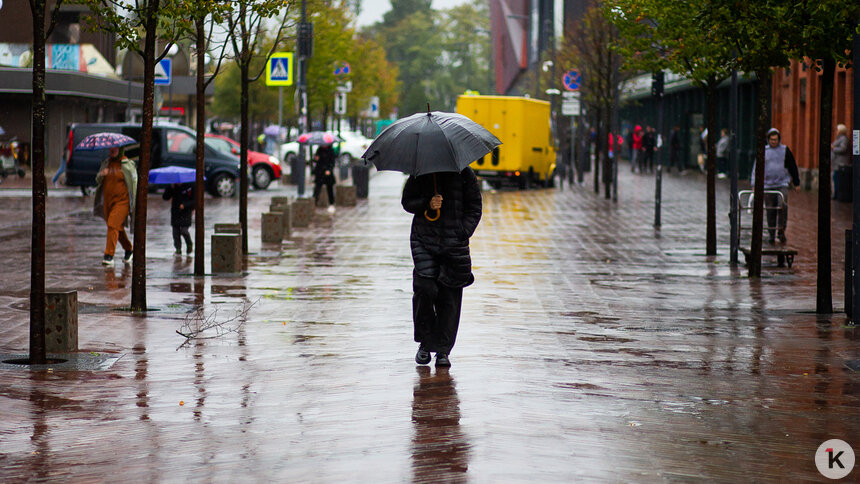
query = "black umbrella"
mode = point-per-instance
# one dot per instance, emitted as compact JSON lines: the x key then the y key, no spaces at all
{"x":430,"y":143}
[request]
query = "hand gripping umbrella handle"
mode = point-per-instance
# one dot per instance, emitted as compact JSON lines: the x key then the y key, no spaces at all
{"x":438,"y":212}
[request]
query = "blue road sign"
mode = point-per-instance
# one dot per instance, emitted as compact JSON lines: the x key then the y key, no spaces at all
{"x":572,"y":80}
{"x":341,"y":69}
{"x":162,"y":72}
{"x":279,"y":71}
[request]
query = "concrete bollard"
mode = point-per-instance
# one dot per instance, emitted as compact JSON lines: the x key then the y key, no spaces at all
{"x":322,"y":201}
{"x":279,"y":201}
{"x":344,"y":195}
{"x":61,"y":321}
{"x":285,"y":210}
{"x":226,"y":253}
{"x":228,"y":229}
{"x":302,"y":212}
{"x":272,"y":224}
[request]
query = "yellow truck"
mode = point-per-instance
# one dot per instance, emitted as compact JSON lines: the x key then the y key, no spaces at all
{"x":527,"y":155}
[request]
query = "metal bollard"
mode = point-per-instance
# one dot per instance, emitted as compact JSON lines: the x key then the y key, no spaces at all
{"x":849,"y":277}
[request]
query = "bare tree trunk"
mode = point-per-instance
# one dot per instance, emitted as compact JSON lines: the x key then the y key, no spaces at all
{"x":243,"y":154}
{"x":597,"y":149}
{"x":604,"y":154}
{"x":754,"y":263}
{"x":138,"y":272}
{"x":824,"y":297}
{"x":199,"y":232}
{"x":37,"y":250}
{"x":711,"y":219}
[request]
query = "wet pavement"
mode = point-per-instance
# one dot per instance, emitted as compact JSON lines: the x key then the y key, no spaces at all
{"x":592,"y":348}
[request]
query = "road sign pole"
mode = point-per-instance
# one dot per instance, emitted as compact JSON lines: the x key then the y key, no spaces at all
{"x":280,"y":121}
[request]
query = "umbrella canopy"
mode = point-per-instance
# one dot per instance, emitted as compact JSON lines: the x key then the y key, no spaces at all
{"x":430,"y":143}
{"x":172,"y":174}
{"x":318,"y":138}
{"x":272,"y":130}
{"x":100,"y":141}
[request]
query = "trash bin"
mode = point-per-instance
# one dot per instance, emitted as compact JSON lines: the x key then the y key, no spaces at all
{"x":843,"y":184}
{"x":361,"y":179}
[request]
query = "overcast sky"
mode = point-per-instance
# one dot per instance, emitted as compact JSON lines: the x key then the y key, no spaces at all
{"x":373,"y":10}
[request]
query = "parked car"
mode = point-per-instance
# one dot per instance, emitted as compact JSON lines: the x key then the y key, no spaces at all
{"x":172,"y":145}
{"x":354,"y":145}
{"x":264,"y":168}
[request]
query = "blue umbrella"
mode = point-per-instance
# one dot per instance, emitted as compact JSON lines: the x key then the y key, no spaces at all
{"x":100,"y":141}
{"x":172,"y":174}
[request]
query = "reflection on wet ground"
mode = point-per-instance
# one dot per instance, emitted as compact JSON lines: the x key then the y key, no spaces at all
{"x":592,"y":348}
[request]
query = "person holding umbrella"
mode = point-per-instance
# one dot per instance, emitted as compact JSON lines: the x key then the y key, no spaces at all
{"x":324,"y":161}
{"x":443,"y":195}
{"x":182,"y":202}
{"x":114,"y":198}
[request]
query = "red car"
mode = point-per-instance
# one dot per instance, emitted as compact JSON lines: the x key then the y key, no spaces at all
{"x":264,"y":168}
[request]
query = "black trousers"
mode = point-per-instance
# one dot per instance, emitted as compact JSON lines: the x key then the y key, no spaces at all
{"x":180,"y":231}
{"x":435,"y":313}
{"x":328,"y":181}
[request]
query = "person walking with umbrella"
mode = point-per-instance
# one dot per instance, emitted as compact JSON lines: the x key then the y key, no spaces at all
{"x":443,"y":195}
{"x":115,"y":192}
{"x":324,"y":161}
{"x":182,"y":202}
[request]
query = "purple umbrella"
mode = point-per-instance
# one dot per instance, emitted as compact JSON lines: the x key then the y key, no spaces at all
{"x":101,"y":141}
{"x":172,"y":174}
{"x":272,"y":130}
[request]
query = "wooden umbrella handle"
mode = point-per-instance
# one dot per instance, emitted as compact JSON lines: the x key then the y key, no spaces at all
{"x":436,"y":192}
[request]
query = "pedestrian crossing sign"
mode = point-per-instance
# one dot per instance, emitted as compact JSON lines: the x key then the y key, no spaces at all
{"x":279,"y":69}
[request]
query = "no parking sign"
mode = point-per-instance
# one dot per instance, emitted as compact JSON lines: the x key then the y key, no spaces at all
{"x":572,"y":80}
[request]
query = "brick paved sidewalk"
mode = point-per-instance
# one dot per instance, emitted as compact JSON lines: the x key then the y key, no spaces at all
{"x":593,"y":348}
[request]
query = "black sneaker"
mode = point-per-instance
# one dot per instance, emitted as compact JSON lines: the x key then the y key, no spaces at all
{"x":128,"y":255}
{"x":422,"y":357}
{"x":107,"y":260}
{"x":177,"y":252}
{"x":190,"y":249}
{"x":782,"y":238}
{"x":442,"y":360}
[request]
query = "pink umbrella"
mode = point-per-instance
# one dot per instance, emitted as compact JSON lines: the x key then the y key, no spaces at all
{"x":318,"y":138}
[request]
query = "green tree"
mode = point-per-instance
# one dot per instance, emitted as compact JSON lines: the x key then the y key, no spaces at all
{"x":372,"y":75}
{"x":412,"y":41}
{"x":333,"y":41}
{"x":759,"y":33}
{"x":199,"y":11}
{"x":824,"y":31}
{"x":589,"y":47}
{"x":665,"y":34}
{"x":465,"y":60}
{"x":137,"y":26}
{"x":38,"y":9}
{"x":246,"y":25}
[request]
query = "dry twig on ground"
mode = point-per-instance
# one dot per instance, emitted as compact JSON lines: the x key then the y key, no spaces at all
{"x":197,"y":322}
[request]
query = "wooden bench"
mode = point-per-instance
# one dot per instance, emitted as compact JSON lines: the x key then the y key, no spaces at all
{"x":783,"y":254}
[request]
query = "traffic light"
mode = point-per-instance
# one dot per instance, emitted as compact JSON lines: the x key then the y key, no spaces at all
{"x":305,"y":39}
{"x":657,"y":79}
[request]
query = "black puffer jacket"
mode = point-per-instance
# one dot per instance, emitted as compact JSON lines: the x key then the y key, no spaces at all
{"x":184,"y":195}
{"x":440,"y":249}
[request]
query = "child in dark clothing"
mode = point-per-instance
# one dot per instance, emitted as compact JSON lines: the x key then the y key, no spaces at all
{"x":182,"y":204}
